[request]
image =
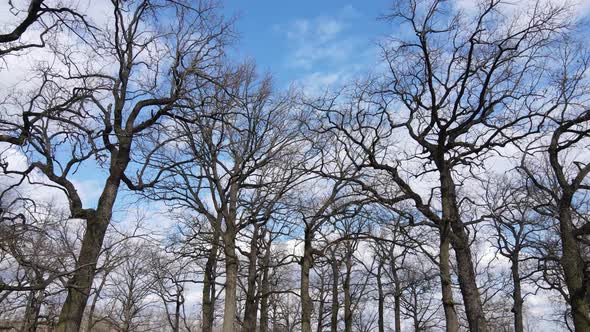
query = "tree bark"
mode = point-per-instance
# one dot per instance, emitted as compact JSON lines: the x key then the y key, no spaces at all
{"x":264,"y":290}
{"x":467,"y":283}
{"x":415,"y":314}
{"x":517,"y":295}
{"x":178,"y":307}
{"x":208,"y":310}
{"x":335,"y":306}
{"x":31,"y":318}
{"x":79,"y":286}
{"x":306,"y":264}
{"x":397,"y":298}
{"x":573,"y":267}
{"x":451,"y":319}
{"x":275,"y":318}
{"x":320,"y":322}
{"x":347,"y":295}
{"x":251,"y":309}
{"x":381,"y":298}
{"x":90,"y":320}
{"x":231,"y":281}
{"x":465,"y":266}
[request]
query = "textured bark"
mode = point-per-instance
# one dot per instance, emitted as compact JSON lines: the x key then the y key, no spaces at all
{"x":231,"y":258}
{"x":208,"y":308}
{"x":381,"y":298}
{"x":451,"y":320}
{"x":467,"y":283}
{"x":347,"y":295}
{"x":231,"y":282}
{"x":335,"y":305}
{"x":79,"y":286}
{"x":275,"y":318}
{"x":572,"y":260}
{"x":573,"y":268}
{"x":465,"y":266}
{"x":178,"y":307}
{"x":517,"y":295}
{"x":306,"y":264}
{"x":251,"y":309}
{"x":320,"y":322}
{"x":397,"y":298}
{"x":90,"y":321}
{"x":264,"y":290}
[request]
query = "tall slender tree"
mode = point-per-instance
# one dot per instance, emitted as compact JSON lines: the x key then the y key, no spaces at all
{"x":96,"y":103}
{"x":457,"y":102}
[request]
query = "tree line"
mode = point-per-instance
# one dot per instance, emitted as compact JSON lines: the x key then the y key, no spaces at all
{"x":441,"y":190}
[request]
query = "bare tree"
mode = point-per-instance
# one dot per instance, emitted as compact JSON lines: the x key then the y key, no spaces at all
{"x":238,"y":153}
{"x":97,"y":112}
{"x":518,"y":228}
{"x":562,"y":194}
{"x":42,"y":17}
{"x":416,"y":302}
{"x":35,"y":255}
{"x":457,"y":101}
{"x":315,"y":210}
{"x":129,"y":288}
{"x":172,"y":277}
{"x":370,"y":207}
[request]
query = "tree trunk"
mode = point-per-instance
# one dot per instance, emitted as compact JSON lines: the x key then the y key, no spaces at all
{"x":465,"y":266}
{"x":264,"y":290}
{"x":573,"y":268}
{"x":466,"y":273}
{"x":275,"y":318}
{"x":80,"y":284}
{"x":517,"y":295}
{"x":321,"y":305}
{"x":335,"y":306}
{"x":306,"y":264}
{"x":231,"y":281}
{"x":397,"y":298}
{"x":178,"y":307}
{"x":90,"y":321}
{"x":415,"y":314}
{"x":208,"y":310}
{"x":251,"y":309}
{"x":347,"y":296}
{"x":31,"y":319}
{"x":381,"y":298}
{"x":451,"y":319}
{"x":231,"y":260}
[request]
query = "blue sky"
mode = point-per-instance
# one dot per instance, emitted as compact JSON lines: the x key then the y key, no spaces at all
{"x":311,"y":42}
{"x":314,"y":44}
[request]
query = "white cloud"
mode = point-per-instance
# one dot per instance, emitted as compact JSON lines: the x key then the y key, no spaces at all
{"x":517,"y":8}
{"x":16,"y":160}
{"x":320,"y":39}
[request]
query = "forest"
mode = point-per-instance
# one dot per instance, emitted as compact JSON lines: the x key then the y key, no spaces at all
{"x":154,"y":179}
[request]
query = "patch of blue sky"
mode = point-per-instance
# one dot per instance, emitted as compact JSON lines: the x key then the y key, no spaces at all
{"x":313,"y":43}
